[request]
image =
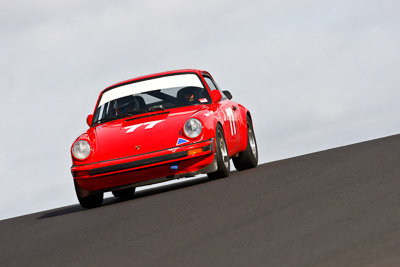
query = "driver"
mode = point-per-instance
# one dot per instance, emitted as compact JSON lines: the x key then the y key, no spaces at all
{"x":125,"y":105}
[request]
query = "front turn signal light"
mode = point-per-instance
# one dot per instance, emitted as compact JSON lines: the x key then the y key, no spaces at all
{"x":195,"y":151}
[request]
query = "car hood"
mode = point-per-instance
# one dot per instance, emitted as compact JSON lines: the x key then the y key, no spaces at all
{"x":141,"y":134}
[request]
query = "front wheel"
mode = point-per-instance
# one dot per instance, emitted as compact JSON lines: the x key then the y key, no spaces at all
{"x":248,"y":158}
{"x":88,"y":202}
{"x":221,"y":153}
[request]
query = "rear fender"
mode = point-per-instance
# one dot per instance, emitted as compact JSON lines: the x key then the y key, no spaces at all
{"x":243,"y":128}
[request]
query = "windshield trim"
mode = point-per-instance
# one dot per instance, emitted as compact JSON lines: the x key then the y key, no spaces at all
{"x":148,"y":85}
{"x":100,"y":101}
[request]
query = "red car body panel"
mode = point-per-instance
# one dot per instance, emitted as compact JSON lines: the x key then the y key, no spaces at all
{"x":145,"y":148}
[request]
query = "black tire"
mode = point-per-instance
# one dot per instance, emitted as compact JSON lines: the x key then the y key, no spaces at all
{"x":91,"y":201}
{"x":221,"y":152}
{"x":124,"y":193}
{"x":248,"y":158}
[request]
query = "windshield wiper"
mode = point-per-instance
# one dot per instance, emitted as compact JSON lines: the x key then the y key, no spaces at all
{"x":143,"y":110}
{"x":126,"y":114}
{"x":130,"y":114}
{"x":156,"y":109}
{"x":106,"y":119}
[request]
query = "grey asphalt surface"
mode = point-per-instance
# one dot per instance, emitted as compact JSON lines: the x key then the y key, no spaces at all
{"x":339,"y":207}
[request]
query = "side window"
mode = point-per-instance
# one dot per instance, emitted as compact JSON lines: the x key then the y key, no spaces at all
{"x":213,"y":86}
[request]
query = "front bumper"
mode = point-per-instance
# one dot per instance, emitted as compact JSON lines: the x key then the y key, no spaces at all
{"x":182,"y":161}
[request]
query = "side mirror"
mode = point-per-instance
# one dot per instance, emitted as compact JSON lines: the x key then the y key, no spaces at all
{"x":216,"y":95}
{"x":89,"y":119}
{"x":227,"y":94}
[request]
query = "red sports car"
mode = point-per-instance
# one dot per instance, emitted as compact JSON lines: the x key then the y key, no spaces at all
{"x":160,"y":127}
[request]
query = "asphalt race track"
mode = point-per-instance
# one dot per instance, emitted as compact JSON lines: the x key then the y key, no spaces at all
{"x":339,"y":207}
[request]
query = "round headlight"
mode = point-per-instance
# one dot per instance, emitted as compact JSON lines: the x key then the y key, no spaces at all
{"x":81,"y":150}
{"x":192,"y":128}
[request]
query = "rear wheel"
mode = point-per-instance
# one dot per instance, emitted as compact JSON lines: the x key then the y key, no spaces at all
{"x":248,"y":158}
{"x":88,"y":202}
{"x":127,"y":192}
{"x":221,"y":152}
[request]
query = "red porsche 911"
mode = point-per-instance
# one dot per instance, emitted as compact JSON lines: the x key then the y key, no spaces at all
{"x":160,"y":127}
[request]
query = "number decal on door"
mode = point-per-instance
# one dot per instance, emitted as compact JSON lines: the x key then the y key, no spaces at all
{"x":231,"y":119}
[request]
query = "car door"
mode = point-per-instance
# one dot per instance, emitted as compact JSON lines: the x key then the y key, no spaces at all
{"x":230,"y":116}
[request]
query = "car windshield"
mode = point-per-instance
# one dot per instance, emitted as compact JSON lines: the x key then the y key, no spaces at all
{"x":143,"y":96}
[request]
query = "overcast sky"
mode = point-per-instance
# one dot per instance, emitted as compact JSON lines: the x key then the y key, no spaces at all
{"x":315,"y":74}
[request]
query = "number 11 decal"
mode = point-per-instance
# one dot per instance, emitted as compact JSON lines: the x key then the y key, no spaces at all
{"x":232,"y":121}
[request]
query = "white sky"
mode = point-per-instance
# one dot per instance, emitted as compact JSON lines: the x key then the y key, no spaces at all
{"x":315,"y":74}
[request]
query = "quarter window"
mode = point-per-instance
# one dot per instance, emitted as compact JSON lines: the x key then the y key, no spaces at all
{"x":210,"y":83}
{"x":213,"y":86}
